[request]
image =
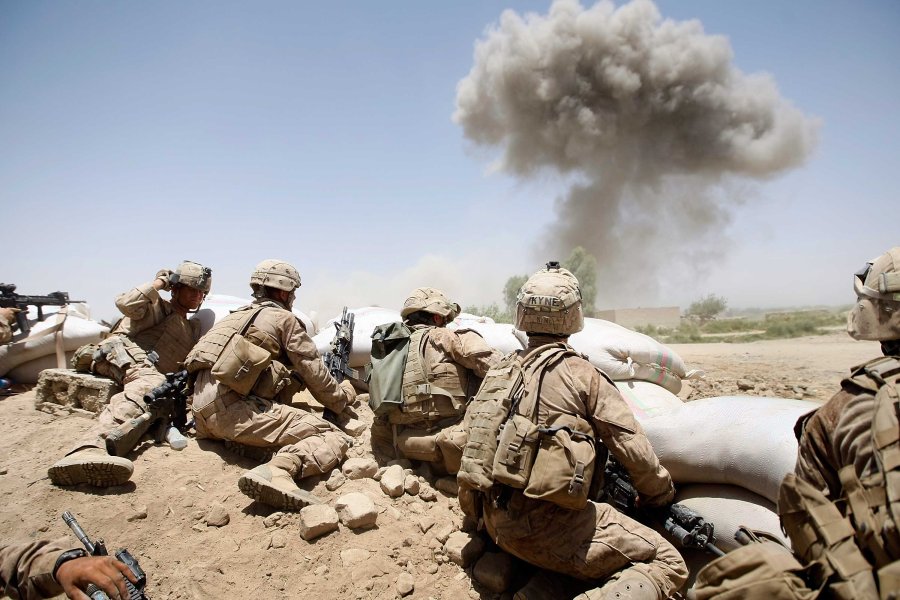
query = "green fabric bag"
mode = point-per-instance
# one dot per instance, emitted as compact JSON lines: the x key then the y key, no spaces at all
{"x":390,"y":347}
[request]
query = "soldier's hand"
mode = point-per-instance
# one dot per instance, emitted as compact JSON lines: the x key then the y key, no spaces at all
{"x":349,"y":390}
{"x":105,"y":572}
{"x":162,"y":279}
{"x":9,"y":314}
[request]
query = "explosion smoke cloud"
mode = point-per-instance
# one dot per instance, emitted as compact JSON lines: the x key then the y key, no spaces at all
{"x":649,"y":117}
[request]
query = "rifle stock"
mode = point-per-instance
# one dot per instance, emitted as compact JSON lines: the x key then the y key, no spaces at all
{"x":166,"y":404}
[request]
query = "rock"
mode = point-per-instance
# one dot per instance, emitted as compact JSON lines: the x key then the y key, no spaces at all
{"x":321,"y":570}
{"x":405,"y":584}
{"x":278,"y":540}
{"x":447,"y":485}
{"x":426,"y":523}
{"x":431,"y":568}
{"x":495,"y":571}
{"x":464,"y":548}
{"x":411,"y":485}
{"x":745,"y":385}
{"x":392,"y":481}
{"x":3,"y":471}
{"x":356,"y":510}
{"x":379,"y":473}
{"x":316,"y":520}
{"x":336,"y":480}
{"x":217,"y":516}
{"x":272,"y":520}
{"x":359,"y":468}
{"x":443,"y":532}
{"x":427,"y":493}
{"x":354,"y":427}
{"x":81,"y":391}
{"x":140,"y":513}
{"x":404,"y":463}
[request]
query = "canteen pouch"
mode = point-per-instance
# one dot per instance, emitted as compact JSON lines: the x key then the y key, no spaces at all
{"x":274,"y":378}
{"x":240,"y":364}
{"x":563,"y":469}
{"x":516,"y":449}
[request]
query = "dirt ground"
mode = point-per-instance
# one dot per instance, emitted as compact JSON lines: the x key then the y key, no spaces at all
{"x":161,"y":516}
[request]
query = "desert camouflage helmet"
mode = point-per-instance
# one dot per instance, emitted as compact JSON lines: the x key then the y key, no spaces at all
{"x":276,"y":274}
{"x":876,"y":315}
{"x":193,"y":275}
{"x":550,"y":302}
{"x":432,"y":301}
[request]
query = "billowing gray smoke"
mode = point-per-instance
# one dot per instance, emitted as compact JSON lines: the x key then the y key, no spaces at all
{"x":660,"y":134}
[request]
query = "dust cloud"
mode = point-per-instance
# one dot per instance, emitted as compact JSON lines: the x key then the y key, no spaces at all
{"x":656,"y":132}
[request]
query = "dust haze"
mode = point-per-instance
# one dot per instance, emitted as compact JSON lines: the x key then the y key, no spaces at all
{"x":659,"y":135}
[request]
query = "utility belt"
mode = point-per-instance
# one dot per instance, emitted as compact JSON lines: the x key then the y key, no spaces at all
{"x":428,"y":403}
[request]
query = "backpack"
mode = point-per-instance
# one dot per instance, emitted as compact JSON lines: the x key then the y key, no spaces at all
{"x":834,"y":533}
{"x":390,"y":348}
{"x":506,"y":446}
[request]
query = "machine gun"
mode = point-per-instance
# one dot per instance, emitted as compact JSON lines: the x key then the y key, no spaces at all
{"x":166,"y":407}
{"x":688,"y":528}
{"x":10,"y":299}
{"x":98,"y":548}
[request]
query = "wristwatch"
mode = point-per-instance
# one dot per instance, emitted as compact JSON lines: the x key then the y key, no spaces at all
{"x":67,"y":556}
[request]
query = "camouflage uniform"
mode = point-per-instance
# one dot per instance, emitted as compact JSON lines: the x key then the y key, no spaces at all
{"x":598,"y":541}
{"x":7,"y":318}
{"x":26,"y":570}
{"x":309,"y":443}
{"x":150,"y":323}
{"x":462,"y":357}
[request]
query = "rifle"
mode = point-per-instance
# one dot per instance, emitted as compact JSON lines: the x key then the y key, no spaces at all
{"x":10,"y":299}
{"x":166,"y":405}
{"x":337,"y":359}
{"x":688,"y":528}
{"x":98,"y":548}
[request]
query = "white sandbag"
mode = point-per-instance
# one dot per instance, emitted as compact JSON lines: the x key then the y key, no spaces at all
{"x":498,"y":336}
{"x":78,"y":309}
{"x":365,"y":320}
{"x":30,"y":371}
{"x":76,"y":332}
{"x":729,"y":507}
{"x":217,"y":306}
{"x":647,"y":399}
{"x":739,"y":440}
{"x":625,"y":354}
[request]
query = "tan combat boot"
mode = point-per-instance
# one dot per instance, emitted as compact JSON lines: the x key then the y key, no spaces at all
{"x":92,"y":466}
{"x":273,"y":484}
{"x":630,"y":585}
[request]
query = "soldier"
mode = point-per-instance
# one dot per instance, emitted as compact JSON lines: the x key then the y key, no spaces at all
{"x":44,"y":569}
{"x":246,"y":368}
{"x":841,"y":507}
{"x":7,"y":320}
{"x":443,"y":370}
{"x":567,"y":416}
{"x":152,"y":339}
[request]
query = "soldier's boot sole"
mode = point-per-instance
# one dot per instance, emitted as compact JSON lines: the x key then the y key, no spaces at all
{"x":261,"y":489}
{"x":98,"y":471}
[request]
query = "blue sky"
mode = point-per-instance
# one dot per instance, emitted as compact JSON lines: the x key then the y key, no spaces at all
{"x":135,"y":135}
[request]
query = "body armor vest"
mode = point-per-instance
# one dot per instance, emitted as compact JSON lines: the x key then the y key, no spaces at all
{"x":430,"y":393}
{"x":855,"y":537}
{"x":208,"y":350}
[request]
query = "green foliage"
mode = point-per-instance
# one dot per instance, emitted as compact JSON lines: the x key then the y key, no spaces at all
{"x":707,"y":308}
{"x":491,"y":310}
{"x":511,"y":291}
{"x":583,"y":265}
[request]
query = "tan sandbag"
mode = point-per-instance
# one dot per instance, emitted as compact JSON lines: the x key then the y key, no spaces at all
{"x":739,"y":440}
{"x":75,"y":330}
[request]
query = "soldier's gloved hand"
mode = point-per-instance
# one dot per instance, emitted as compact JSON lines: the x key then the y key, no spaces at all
{"x":163,"y":276}
{"x":105,"y":572}
{"x":349,"y":390}
{"x":9,"y":314}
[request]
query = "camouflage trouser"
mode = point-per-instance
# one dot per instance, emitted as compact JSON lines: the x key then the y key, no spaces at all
{"x":591,"y":544}
{"x":310,"y":441}
{"x":127,"y":404}
{"x":439,"y":446}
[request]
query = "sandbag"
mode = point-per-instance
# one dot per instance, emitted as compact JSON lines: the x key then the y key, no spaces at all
{"x":76,"y":332}
{"x":30,"y":371}
{"x":217,"y":306}
{"x":625,"y":354}
{"x":365,"y":320}
{"x":498,"y":336}
{"x":739,"y":440}
{"x":647,"y":399}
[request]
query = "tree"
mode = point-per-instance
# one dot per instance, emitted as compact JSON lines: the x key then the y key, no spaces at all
{"x":511,"y":291}
{"x":583,"y":266}
{"x":706,"y":308}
